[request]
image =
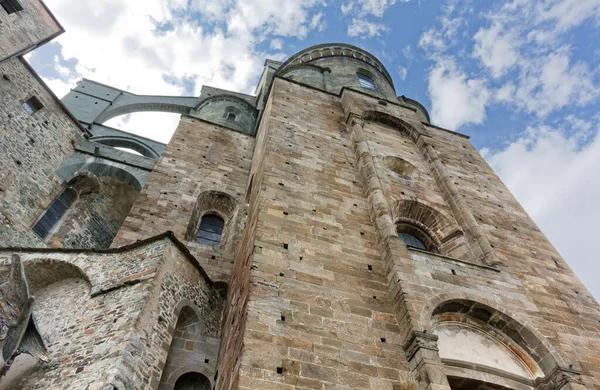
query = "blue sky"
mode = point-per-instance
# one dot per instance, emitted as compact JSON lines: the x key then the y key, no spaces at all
{"x":521,"y":77}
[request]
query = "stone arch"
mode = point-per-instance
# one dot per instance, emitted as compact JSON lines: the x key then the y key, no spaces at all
{"x":99,"y":169}
{"x":191,"y":350}
{"x":42,"y":272}
{"x":174,"y":377}
{"x":392,"y":121}
{"x":127,"y":142}
{"x":138,"y":103}
{"x":463,"y":308}
{"x":213,"y":202}
{"x":84,"y":183}
{"x":440,"y":227}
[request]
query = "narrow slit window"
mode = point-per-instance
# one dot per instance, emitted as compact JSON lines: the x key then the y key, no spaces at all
{"x":54,"y":213}
{"x":231,"y":117}
{"x":412,"y":241}
{"x":32,"y":105}
{"x":365,"y":81}
{"x":11,"y":6}
{"x":210,"y":231}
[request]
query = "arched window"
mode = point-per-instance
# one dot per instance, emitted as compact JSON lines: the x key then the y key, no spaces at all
{"x":54,"y":212}
{"x":210,"y":230}
{"x":412,"y":241}
{"x":415,"y":237}
{"x":365,"y":81}
{"x":231,"y":117}
{"x":192,"y":381}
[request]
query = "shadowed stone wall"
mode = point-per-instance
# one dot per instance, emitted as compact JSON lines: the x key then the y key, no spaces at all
{"x":106,"y":317}
{"x":32,"y":147}
{"x":94,"y":219}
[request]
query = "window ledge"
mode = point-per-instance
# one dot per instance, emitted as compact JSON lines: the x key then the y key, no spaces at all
{"x":472,"y":264}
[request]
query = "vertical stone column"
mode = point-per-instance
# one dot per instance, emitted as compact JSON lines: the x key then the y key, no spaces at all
{"x":461,"y":210}
{"x":420,"y":348}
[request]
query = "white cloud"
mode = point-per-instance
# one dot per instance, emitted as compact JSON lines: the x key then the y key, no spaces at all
{"x":555,"y":177}
{"x":364,"y":29}
{"x":368,"y":7}
{"x":495,"y":49}
{"x":402,"y":72}
{"x":524,"y":40}
{"x":456,"y":99}
{"x":276,"y":44}
{"x":552,"y":82}
{"x":160,"y":47}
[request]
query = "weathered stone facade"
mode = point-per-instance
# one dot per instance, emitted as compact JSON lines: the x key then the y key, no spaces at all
{"x":26,"y":29}
{"x":350,"y":243}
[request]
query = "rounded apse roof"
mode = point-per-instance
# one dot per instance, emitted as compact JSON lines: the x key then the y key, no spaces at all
{"x":336,"y":50}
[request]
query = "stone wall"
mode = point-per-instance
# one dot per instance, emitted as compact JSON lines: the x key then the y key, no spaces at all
{"x":24,"y":30}
{"x":318,"y":311}
{"x":31,"y":149}
{"x":200,"y":158}
{"x":94,"y":219}
{"x":108,"y":317}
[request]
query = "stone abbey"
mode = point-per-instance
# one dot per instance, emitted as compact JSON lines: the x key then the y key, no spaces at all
{"x":319,"y":234}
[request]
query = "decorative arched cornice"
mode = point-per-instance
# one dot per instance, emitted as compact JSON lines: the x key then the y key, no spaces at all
{"x":434,"y":222}
{"x":225,"y":97}
{"x":486,"y":312}
{"x":300,"y":66}
{"x":392,"y":121}
{"x":336,"y":50}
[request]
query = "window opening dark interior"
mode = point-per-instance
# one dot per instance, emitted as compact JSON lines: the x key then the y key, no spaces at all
{"x":210,"y":231}
{"x":231,"y":117}
{"x":365,"y":81}
{"x":11,"y":6}
{"x":192,"y":381}
{"x":412,"y":241}
{"x":32,"y":105}
{"x":54,"y":212}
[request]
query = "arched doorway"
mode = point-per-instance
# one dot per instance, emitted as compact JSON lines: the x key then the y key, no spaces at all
{"x":192,"y":381}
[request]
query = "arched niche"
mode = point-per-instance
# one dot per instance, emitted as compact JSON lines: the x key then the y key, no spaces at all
{"x":191,"y":351}
{"x":437,"y":229}
{"x":62,"y":295}
{"x":103,"y":202}
{"x":192,"y":381}
{"x":216,"y":203}
{"x":392,"y":121}
{"x":480,"y":343}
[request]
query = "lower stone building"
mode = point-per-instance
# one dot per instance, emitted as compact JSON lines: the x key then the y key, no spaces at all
{"x":320,"y":234}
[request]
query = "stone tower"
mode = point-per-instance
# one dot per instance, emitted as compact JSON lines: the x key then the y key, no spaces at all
{"x":320,"y":234}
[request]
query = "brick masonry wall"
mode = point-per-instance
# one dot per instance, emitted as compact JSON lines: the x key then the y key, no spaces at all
{"x":200,"y":157}
{"x":31,"y":149}
{"x":23,"y":30}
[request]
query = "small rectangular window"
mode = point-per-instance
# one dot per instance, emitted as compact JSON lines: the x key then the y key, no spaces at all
{"x":11,"y":6}
{"x":365,"y":81}
{"x":32,"y":105}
